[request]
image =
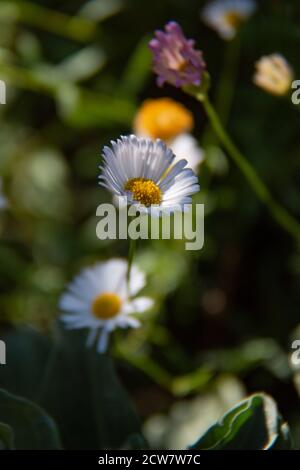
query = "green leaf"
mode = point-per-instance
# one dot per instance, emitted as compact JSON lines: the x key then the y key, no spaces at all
{"x":137,"y":71}
{"x":33,"y":428}
{"x":73,"y":27}
{"x":135,"y":442}
{"x":99,"y":11}
{"x":254,"y":424}
{"x":39,"y":184}
{"x":259,"y":351}
{"x":83,"y":393}
{"x":6,"y":437}
{"x":26,"y":355}
{"x":80,"y":108}
{"x":81,"y":65}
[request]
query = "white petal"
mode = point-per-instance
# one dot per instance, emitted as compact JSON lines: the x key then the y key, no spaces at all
{"x":138,"y":305}
{"x":125,"y":321}
{"x":137,"y":280}
{"x":70,"y":303}
{"x":172,"y":173}
{"x":109,"y":276}
{"x":3,"y":200}
{"x":131,"y":322}
{"x":91,"y":337}
{"x":215,"y":14}
{"x":132,"y":157}
{"x":103,"y":341}
{"x":185,"y":146}
{"x":75,"y":324}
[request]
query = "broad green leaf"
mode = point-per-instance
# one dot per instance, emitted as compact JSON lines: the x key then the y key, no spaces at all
{"x":135,"y":442}
{"x":6,"y":437}
{"x":83,"y":393}
{"x":114,"y":412}
{"x":32,"y":427}
{"x":254,"y":424}
{"x":27,"y":352}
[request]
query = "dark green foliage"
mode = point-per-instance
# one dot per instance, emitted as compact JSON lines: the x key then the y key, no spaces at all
{"x":6,"y":437}
{"x":27,"y":354}
{"x":82,"y":392}
{"x":254,"y":424}
{"x":76,"y":73}
{"x":27,"y":426}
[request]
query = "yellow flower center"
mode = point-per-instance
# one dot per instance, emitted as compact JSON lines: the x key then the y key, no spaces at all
{"x":144,"y":191}
{"x":234,"y":19}
{"x":106,"y":305}
{"x":163,"y":118}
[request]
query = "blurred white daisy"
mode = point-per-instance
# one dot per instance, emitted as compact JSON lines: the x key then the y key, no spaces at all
{"x":226,"y":16}
{"x":101,"y":299}
{"x":143,"y":173}
{"x":3,"y":200}
{"x":186,"y":146}
{"x":170,"y":121}
{"x":273,"y":74}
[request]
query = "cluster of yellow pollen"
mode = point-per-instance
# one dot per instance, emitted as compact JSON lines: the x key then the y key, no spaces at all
{"x":163,"y":118}
{"x":144,"y":191}
{"x":234,"y":19}
{"x":106,"y":305}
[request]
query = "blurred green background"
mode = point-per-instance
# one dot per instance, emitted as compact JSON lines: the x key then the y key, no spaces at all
{"x":76,"y":72}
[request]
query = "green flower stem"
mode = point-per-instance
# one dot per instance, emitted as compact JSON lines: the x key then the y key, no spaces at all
{"x":225,"y":91}
{"x":280,"y":214}
{"x":178,"y":385}
{"x":132,"y":246}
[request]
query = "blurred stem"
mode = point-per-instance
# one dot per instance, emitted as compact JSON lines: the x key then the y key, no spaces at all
{"x":280,"y":214}
{"x":226,"y":85}
{"x":178,"y":386}
{"x":149,"y":367}
{"x":72,"y":27}
{"x":132,"y":246}
{"x":227,"y":82}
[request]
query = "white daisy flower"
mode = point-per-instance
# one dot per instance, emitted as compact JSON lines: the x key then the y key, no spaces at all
{"x":186,"y":146}
{"x":143,"y":172}
{"x":226,"y":16}
{"x":3,"y":200}
{"x":101,"y":299}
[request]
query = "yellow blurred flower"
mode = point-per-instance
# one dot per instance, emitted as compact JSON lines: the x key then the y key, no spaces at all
{"x":273,"y":74}
{"x":170,"y":121}
{"x":162,"y":118}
